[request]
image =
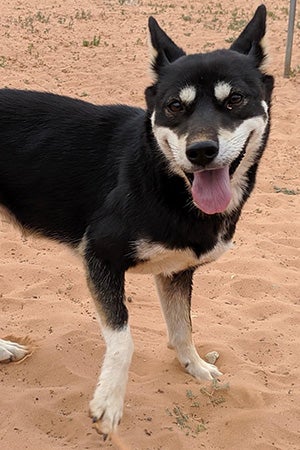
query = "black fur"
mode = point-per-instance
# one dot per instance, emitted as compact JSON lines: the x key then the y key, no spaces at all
{"x":249,"y":41}
{"x":95,"y":177}
{"x":70,"y":169}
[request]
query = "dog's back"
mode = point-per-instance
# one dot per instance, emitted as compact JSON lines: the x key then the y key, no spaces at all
{"x":57,"y":159}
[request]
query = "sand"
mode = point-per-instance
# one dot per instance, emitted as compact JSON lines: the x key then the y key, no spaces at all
{"x":245,"y":306}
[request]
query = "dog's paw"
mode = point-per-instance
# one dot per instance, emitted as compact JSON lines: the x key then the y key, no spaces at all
{"x":12,"y":351}
{"x":202,"y":370}
{"x":106,"y":410}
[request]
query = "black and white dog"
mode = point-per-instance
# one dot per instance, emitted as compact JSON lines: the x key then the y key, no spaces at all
{"x":157,"y":191}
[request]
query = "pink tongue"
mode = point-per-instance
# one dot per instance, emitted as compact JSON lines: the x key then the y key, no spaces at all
{"x":211,"y":190}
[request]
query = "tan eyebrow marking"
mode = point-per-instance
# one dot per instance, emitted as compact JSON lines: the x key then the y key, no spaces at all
{"x":222,"y":90}
{"x":188,"y":94}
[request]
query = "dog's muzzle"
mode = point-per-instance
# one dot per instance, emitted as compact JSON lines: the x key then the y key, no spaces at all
{"x":202,"y":153}
{"x":210,"y":186}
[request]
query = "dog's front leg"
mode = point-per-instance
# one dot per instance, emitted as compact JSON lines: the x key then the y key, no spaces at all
{"x":175,"y":296}
{"x":107,"y":288}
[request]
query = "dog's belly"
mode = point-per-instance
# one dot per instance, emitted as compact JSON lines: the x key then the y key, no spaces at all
{"x":155,"y":258}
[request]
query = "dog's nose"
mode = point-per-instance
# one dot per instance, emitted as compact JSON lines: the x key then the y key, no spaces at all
{"x":202,"y":153}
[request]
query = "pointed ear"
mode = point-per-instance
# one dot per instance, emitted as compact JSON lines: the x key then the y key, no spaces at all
{"x":163,"y":49}
{"x":251,"y":42}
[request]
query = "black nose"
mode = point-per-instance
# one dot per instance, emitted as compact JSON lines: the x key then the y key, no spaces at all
{"x":202,"y":153}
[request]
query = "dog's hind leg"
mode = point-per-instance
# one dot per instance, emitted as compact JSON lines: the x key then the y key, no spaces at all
{"x":175,"y":296}
{"x":12,"y":351}
{"x":107,"y":288}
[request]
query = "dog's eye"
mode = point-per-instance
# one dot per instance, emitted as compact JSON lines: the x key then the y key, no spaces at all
{"x":175,"y":106}
{"x":235,"y":99}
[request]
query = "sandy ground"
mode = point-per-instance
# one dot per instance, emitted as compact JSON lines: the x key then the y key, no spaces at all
{"x":246,"y":305}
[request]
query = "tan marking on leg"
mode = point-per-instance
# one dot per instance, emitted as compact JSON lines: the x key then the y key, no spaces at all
{"x":174,"y":298}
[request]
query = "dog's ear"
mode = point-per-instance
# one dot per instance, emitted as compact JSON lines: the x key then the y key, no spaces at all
{"x":163,"y":50}
{"x":251,"y":40}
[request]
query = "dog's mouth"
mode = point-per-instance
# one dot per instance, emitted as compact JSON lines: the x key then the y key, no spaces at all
{"x":211,"y":189}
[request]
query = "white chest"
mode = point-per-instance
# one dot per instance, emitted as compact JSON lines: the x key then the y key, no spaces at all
{"x":159,"y":259}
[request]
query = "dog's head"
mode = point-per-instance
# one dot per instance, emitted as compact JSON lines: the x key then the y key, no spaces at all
{"x":210,"y":112}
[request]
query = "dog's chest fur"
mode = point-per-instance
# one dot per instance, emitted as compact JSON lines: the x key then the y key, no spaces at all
{"x":155,"y":258}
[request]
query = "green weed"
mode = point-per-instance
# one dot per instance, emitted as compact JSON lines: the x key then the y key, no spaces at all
{"x":286,"y":191}
{"x":230,"y":39}
{"x":83,"y":15}
{"x":216,"y":386}
{"x":272,"y":15}
{"x":2,"y":61}
{"x":95,"y":42}
{"x":40,"y":17}
{"x":237,"y":22}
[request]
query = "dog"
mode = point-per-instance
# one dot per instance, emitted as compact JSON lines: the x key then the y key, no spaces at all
{"x":150,"y":191}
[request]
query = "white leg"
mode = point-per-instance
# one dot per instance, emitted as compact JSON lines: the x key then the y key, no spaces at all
{"x":12,"y":351}
{"x":108,"y":400}
{"x":106,"y":284}
{"x":175,"y":297}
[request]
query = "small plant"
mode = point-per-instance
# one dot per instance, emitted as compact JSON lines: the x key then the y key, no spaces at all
{"x":30,"y":48}
{"x":294,"y":72}
{"x":26,"y":22}
{"x":181,"y":418}
{"x":83,"y":15}
{"x":285,"y":10}
{"x":208,"y":45}
{"x":216,"y":386}
{"x":272,"y":15}
{"x":139,"y":41}
{"x":200,"y":427}
{"x":191,"y":396}
{"x":230,"y":39}
{"x":236,"y":23}
{"x":286,"y":191}
{"x":187,"y":423}
{"x":95,"y":42}
{"x":40,"y":17}
{"x":2,"y":61}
